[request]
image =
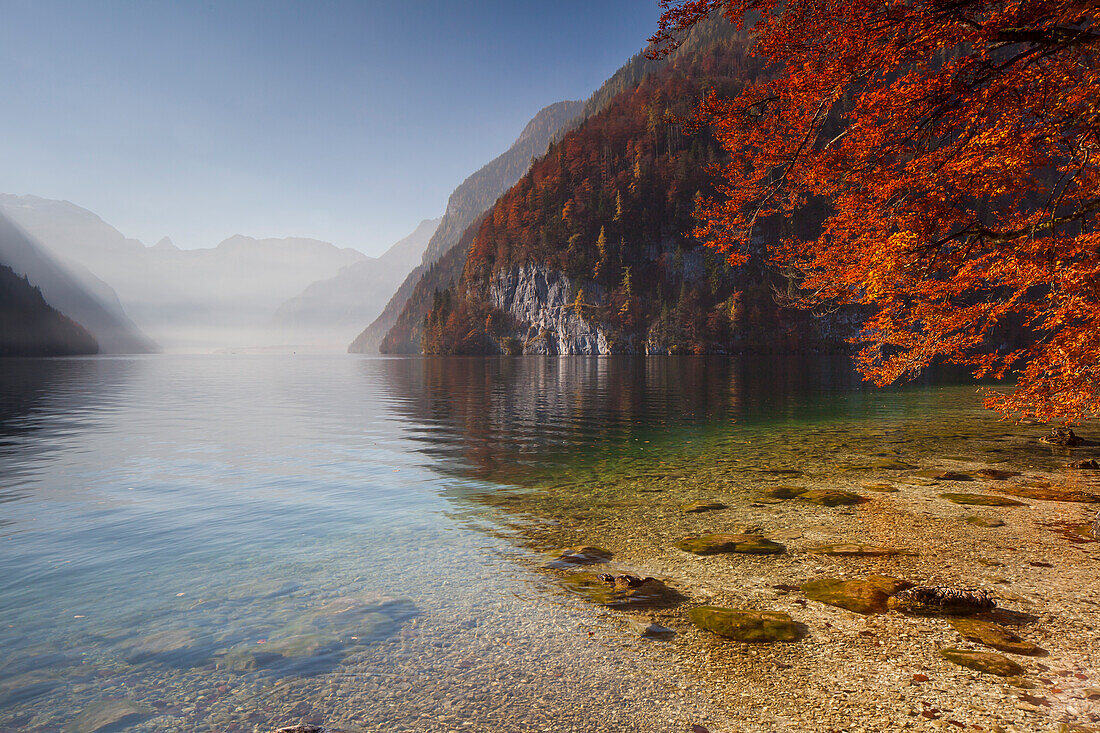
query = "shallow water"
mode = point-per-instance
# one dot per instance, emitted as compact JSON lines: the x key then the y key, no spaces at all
{"x":238,"y":543}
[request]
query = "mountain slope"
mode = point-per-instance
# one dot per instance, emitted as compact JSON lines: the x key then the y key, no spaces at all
{"x":30,"y":327}
{"x":589,"y":253}
{"x":472,"y":197}
{"x":406,"y":333}
{"x":101,"y":316}
{"x":328,"y":313}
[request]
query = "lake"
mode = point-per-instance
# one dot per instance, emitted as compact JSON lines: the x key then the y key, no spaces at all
{"x":239,"y":543}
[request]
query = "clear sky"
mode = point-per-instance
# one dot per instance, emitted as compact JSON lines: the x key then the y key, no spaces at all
{"x":341,"y":120}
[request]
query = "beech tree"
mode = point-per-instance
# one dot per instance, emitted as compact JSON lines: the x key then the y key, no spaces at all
{"x":956,"y":147}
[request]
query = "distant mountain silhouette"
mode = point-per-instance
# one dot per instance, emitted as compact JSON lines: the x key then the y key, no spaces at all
{"x":330,"y":312}
{"x":471,"y":199}
{"x":188,"y":299}
{"x":79,"y":296}
{"x":30,"y":327}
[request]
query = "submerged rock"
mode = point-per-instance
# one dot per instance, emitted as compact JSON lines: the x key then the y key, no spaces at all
{"x":979,"y":521}
{"x":867,"y":595}
{"x":621,"y":591}
{"x":1064,"y":437}
{"x":853,"y":550}
{"x":986,"y":662}
{"x":994,"y":474}
{"x":178,"y":648}
{"x":941,"y":600}
{"x":1089,"y":465}
{"x":697,"y":507}
{"x":582,"y":555}
{"x":881,"y":488}
{"x":780,"y":493}
{"x":1049,"y":493}
{"x":981,"y":500}
{"x":831,"y":497}
{"x":718,"y":544}
{"x":892,"y":464}
{"x":650,"y":629}
{"x":993,"y":635}
{"x":937,"y":474}
{"x":744,"y":625}
{"x":107,"y":716}
{"x":301,"y":729}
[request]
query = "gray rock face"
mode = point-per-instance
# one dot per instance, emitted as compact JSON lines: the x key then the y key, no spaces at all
{"x":542,"y":301}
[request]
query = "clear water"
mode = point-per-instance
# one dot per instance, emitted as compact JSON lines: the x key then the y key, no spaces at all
{"x":238,"y":543}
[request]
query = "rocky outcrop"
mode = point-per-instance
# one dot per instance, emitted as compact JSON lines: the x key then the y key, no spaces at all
{"x":543,"y":302}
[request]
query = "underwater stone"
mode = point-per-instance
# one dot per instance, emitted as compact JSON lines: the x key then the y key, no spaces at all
{"x":718,"y":544}
{"x":621,"y":591}
{"x":109,"y":715}
{"x":981,"y":500}
{"x":831,"y":497}
{"x":853,"y":550}
{"x":995,"y":474}
{"x":747,"y":626}
{"x":697,"y":507}
{"x":986,"y":662}
{"x":582,"y":555}
{"x":993,"y":635}
{"x":866,"y":596}
{"x":978,"y":521}
{"x":937,"y":474}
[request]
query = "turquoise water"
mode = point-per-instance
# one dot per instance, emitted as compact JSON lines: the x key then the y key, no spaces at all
{"x":237,"y":543}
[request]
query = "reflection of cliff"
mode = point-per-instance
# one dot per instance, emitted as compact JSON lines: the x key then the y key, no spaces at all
{"x":500,"y":416}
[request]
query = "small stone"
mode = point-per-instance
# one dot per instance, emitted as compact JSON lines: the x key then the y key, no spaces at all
{"x":993,"y":635}
{"x":697,"y":507}
{"x":649,"y":629}
{"x":582,"y":555}
{"x":781,"y":493}
{"x":994,"y":474}
{"x":1089,"y":465}
{"x":981,"y":500}
{"x":717,"y":544}
{"x":881,"y":488}
{"x":852,"y":550}
{"x":940,"y":475}
{"x":109,"y":715}
{"x":831,"y":497}
{"x":979,"y":521}
{"x":746,"y":626}
{"x":866,"y":596}
{"x":986,"y":662}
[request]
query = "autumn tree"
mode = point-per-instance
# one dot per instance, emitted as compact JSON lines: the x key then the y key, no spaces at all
{"x":956,"y":147}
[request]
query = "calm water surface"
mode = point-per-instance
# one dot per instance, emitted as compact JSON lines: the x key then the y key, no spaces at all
{"x":237,"y":543}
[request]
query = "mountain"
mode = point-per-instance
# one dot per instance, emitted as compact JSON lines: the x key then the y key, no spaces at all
{"x":30,"y":327}
{"x":590,"y":251}
{"x":405,"y":333}
{"x":78,"y":295}
{"x":467,"y":202}
{"x":328,"y":313}
{"x":187,"y":299}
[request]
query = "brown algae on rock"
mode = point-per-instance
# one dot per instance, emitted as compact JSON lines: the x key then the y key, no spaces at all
{"x":866,"y":596}
{"x":987,"y":662}
{"x":942,"y":601}
{"x":993,"y":635}
{"x":747,"y":626}
{"x":719,"y":544}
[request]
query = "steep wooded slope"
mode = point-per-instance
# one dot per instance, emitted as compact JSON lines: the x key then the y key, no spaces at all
{"x":30,"y":327}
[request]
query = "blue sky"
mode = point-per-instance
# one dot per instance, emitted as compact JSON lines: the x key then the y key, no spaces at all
{"x":345,"y":121}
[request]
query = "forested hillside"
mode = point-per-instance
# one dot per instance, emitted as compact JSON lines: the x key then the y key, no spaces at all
{"x":30,"y":327}
{"x":590,"y":252}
